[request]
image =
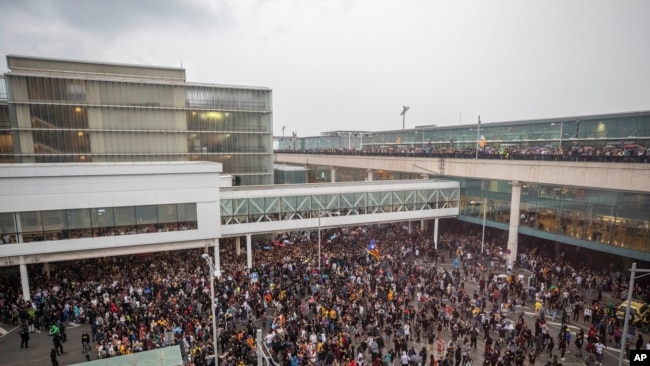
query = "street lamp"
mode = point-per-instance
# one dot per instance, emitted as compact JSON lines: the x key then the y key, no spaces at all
{"x":484,"y":204}
{"x":633,"y":276}
{"x":213,"y":273}
{"x":403,"y":114}
{"x":319,"y":213}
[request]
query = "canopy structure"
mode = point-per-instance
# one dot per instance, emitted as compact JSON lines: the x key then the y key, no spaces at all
{"x":168,"y":356}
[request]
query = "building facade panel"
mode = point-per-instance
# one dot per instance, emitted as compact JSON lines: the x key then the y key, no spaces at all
{"x":72,"y":111}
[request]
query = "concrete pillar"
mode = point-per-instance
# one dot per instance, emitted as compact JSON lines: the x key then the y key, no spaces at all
{"x":217,"y":260}
{"x":46,"y":269}
{"x":238,"y":245}
{"x":249,"y":251}
{"x":410,"y":227}
{"x":333,"y":174}
{"x":24,"y":278}
{"x":557,"y":249}
{"x":513,"y":231}
{"x":435,"y":233}
{"x":370,"y":175}
{"x":423,"y":225}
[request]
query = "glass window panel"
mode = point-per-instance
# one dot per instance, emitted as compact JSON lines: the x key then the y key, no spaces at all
{"x":102,"y":217}
{"x":333,"y":201}
{"x":288,"y":204}
{"x":256,"y":206}
{"x":79,"y":219}
{"x":409,"y":197}
{"x":186,"y":212}
{"x":226,"y":207}
{"x":146,"y":214}
{"x":54,"y":220}
{"x":240,"y":206}
{"x":167,"y":213}
{"x":7,"y":223}
{"x":303,"y":203}
{"x":347,"y":200}
{"x":374,"y":198}
{"x":30,"y":222}
{"x":124,"y":216}
{"x":271,"y":205}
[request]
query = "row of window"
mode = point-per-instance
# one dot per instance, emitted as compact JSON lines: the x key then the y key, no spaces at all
{"x":17,"y":227}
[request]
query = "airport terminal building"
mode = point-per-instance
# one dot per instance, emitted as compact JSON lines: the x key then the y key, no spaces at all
{"x":149,"y":141}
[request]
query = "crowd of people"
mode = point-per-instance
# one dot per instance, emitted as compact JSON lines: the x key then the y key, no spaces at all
{"x":408,"y":304}
{"x":608,"y":153}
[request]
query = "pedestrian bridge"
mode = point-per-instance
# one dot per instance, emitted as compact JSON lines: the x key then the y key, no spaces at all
{"x":266,"y":209}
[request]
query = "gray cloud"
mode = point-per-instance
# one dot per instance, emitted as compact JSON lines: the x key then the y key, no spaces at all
{"x":352,"y":64}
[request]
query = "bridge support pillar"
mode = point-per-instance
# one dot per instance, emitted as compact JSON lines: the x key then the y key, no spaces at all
{"x":513,"y":231}
{"x":371,"y":176}
{"x":410,"y":227}
{"x":333,"y":174}
{"x":238,"y":245}
{"x":24,"y":278}
{"x":46,"y":269}
{"x":435,"y":234}
{"x":423,"y":225}
{"x":249,"y":252}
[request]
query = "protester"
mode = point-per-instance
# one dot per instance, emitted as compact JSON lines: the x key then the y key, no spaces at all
{"x":360,"y":307}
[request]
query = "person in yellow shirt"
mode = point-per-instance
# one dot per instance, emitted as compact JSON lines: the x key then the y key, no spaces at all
{"x":390,"y":295}
{"x":538,"y":305}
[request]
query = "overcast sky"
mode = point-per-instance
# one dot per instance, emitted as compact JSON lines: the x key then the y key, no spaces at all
{"x":352,"y":65}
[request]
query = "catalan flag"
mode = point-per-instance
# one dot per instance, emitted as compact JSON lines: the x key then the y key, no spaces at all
{"x":373,"y":251}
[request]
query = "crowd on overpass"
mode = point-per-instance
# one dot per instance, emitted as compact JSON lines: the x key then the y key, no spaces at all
{"x":407,"y":303}
{"x":609,"y":153}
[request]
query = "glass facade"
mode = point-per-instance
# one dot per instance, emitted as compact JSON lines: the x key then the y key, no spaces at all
{"x":261,"y":209}
{"x":620,"y":219}
{"x":25,"y":227}
{"x":144,"y":114}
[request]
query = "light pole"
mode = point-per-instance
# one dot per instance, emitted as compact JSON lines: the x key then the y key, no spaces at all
{"x":633,"y":276}
{"x":213,"y":272}
{"x":484,"y":204}
{"x":319,"y":241}
{"x":404,"y":110}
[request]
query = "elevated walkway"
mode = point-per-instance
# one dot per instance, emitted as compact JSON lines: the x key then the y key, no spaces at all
{"x":267,"y":209}
{"x":618,"y":176}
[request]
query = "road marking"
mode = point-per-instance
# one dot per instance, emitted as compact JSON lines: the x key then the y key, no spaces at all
{"x":4,"y":332}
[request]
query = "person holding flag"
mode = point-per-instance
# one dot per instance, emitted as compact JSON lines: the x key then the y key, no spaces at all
{"x":373,"y":251}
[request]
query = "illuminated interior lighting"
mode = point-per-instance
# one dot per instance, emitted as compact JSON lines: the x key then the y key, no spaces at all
{"x":216,"y":116}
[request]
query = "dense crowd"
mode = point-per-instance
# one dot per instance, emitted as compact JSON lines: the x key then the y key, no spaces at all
{"x":619,"y":154}
{"x":405,"y":308}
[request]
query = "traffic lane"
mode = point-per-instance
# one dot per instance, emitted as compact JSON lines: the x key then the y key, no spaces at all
{"x":40,"y":346}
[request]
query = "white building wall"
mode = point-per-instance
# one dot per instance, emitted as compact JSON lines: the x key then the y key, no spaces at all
{"x":40,"y":187}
